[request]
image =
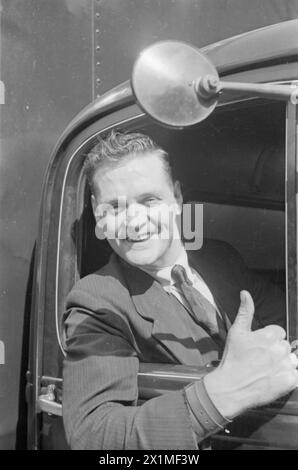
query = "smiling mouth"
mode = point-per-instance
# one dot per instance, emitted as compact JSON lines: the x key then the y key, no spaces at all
{"x":139,"y":239}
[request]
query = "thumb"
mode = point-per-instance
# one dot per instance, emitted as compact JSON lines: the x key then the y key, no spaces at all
{"x":246,"y":311}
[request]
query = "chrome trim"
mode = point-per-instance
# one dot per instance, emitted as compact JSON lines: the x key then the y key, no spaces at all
{"x":47,"y":406}
{"x":169,"y":376}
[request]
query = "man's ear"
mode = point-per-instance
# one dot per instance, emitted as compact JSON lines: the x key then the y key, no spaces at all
{"x":178,"y":194}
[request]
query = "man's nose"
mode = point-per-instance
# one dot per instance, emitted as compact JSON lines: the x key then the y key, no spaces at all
{"x":136,"y":216}
{"x":134,"y":210}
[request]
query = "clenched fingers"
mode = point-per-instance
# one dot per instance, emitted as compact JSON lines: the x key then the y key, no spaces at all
{"x":269,"y":334}
{"x":294,"y":360}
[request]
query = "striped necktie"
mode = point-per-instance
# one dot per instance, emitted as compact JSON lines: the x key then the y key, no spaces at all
{"x":202,"y":311}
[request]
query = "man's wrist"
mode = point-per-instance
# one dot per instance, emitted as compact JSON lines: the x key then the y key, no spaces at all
{"x":221,"y":395}
{"x":206,"y":418}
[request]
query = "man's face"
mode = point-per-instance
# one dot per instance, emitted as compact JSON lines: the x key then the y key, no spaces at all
{"x":137,"y":209}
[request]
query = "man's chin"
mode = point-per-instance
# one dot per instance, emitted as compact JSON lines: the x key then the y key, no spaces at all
{"x":139,"y":259}
{"x":142,"y":254}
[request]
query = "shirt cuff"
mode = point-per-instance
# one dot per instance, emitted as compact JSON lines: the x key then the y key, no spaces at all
{"x":205,"y":417}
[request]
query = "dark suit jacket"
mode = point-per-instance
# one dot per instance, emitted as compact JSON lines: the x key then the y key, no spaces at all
{"x":120,"y":316}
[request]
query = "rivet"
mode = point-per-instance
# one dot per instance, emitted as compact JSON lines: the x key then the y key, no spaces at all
{"x":97,"y":48}
{"x":98,"y":63}
{"x":97,"y":30}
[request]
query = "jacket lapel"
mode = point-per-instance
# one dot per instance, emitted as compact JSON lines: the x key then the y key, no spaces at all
{"x":154,"y":304}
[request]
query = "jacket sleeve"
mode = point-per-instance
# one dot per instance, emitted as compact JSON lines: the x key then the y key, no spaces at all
{"x":100,"y":391}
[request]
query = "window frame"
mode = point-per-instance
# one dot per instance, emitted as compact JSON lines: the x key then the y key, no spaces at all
{"x":291,"y":220}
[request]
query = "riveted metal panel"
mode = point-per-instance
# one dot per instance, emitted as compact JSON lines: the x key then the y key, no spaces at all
{"x":126,"y":27}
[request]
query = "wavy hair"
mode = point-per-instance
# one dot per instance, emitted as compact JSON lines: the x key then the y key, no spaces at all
{"x":116,"y":147}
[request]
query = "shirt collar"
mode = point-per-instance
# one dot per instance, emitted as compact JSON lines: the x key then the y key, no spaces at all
{"x":163,"y":275}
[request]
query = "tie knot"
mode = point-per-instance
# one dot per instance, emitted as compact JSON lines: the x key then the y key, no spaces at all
{"x":179,"y":275}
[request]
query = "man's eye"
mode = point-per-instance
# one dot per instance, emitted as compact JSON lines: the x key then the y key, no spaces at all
{"x":117,"y":208}
{"x":108,"y":210}
{"x":151,"y":200}
{"x":118,"y":205}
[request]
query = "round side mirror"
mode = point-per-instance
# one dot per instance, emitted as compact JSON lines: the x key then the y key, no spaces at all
{"x":164,"y":82}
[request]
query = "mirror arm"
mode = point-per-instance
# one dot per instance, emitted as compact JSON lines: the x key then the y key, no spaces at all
{"x":209,"y":86}
{"x":178,"y":86}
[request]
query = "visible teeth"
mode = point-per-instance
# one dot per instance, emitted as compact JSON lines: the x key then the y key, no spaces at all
{"x":138,"y":238}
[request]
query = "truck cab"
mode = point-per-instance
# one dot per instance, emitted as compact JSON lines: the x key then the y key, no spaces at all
{"x":240,"y":163}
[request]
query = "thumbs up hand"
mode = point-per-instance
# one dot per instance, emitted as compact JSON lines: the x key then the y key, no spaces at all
{"x":257,"y":366}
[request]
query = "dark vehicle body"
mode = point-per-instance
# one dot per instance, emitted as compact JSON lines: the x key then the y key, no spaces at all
{"x":37,"y":277}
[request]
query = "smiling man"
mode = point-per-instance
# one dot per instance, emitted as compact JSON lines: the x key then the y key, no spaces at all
{"x":155,"y":302}
{"x":135,"y":204}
